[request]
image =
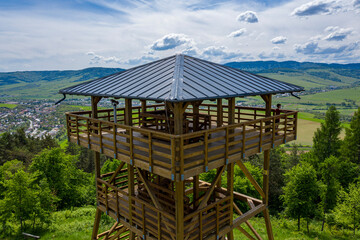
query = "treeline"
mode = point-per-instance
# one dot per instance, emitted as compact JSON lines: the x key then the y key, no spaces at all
{"x":322,"y":184}
{"x":37,"y":177}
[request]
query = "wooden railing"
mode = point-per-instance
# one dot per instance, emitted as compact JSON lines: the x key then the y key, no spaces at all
{"x":209,"y":220}
{"x":141,"y":215}
{"x":178,"y":157}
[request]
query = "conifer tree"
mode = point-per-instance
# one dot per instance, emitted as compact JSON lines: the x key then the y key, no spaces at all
{"x":326,"y":141}
{"x":351,"y":146}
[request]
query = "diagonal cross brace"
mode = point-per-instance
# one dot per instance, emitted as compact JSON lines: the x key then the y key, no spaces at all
{"x":251,"y":178}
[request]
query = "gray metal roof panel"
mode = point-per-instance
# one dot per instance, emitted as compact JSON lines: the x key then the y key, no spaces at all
{"x":181,"y":78}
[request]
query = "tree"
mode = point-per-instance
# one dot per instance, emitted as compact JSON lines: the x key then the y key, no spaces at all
{"x":301,"y":192}
{"x":72,"y":186}
{"x":326,"y":141}
{"x":347,"y":211}
{"x":329,"y":170}
{"x":351,"y":145}
{"x":276,"y":178}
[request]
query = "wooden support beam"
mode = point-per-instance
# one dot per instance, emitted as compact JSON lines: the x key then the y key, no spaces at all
{"x":230,"y":189}
{"x":111,"y":230}
{"x":128,"y":112}
{"x":231,"y":111}
{"x":179,"y":209}
{"x":249,"y":214}
{"x":116,"y":172}
{"x":219,"y":113}
{"x":143,"y":110}
{"x":211,"y":188}
{"x":247,"y":222}
{"x":131,"y":191}
{"x":243,"y":231}
{"x":267,"y":99}
{"x":96,"y":224}
{"x":251,"y":178}
{"x":148,"y":189}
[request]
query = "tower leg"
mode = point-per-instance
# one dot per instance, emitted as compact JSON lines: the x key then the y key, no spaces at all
{"x":96,"y":224}
{"x":266,"y":191}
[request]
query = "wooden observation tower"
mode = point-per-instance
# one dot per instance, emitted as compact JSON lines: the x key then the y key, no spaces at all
{"x":185,"y":123}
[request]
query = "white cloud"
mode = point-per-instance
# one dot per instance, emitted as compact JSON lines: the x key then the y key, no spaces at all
{"x":248,"y":16}
{"x":279,"y":40}
{"x":97,"y":59}
{"x":337,"y":34}
{"x":317,"y":7}
{"x":313,"y":48}
{"x":237,"y":33}
{"x":221,"y":51}
{"x":170,"y":41}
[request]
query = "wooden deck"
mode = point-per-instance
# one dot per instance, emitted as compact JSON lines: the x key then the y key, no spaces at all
{"x":178,"y":157}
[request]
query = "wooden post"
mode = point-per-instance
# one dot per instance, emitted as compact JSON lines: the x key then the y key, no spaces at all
{"x":231,"y":111}
{"x":143,"y":110}
{"x":128,"y":112}
{"x":231,"y":116}
{"x":219,"y":112}
{"x":94,"y":111}
{"x":230,"y":189}
{"x":267,"y":99}
{"x":179,"y":184}
{"x":196,"y":115}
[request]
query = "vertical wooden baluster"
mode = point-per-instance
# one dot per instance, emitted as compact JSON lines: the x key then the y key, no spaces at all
{"x":77,"y":129}
{"x":150,"y":153}
{"x":217,"y":221}
{"x":182,"y":159}
{"x":173,"y":167}
{"x":100,"y":137}
{"x":117,"y":204}
{"x":273,"y":131}
{"x":285,"y":129}
{"x":243,"y":141}
{"x":260,"y":135}
{"x":159,"y":225}
{"x":143,"y":220}
{"x":226,"y":144}
{"x":206,"y":151}
{"x":114,"y":140}
{"x":106,"y":199}
{"x":88,"y":133}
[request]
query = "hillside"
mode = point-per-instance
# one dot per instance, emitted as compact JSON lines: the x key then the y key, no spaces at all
{"x":312,"y":76}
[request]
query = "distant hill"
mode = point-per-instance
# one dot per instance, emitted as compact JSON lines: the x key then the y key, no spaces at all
{"x":259,"y":66}
{"x":35,"y":76}
{"x":46,"y":84}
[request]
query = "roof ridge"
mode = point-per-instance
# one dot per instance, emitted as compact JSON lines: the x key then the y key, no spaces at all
{"x":176,"y":89}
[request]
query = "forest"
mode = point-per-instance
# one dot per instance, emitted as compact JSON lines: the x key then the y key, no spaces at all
{"x":39,"y":181}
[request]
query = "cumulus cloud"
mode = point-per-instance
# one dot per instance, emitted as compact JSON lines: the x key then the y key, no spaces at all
{"x":337,"y":34}
{"x":237,"y":33}
{"x":279,"y":40}
{"x":316,"y":7}
{"x":272,"y":55}
{"x":248,"y":16}
{"x":356,"y":3}
{"x":170,"y":41}
{"x":141,"y":60}
{"x":96,"y":59}
{"x":221,"y":51}
{"x":312,"y":48}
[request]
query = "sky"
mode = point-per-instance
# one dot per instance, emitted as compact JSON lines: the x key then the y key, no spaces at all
{"x":76,"y":34}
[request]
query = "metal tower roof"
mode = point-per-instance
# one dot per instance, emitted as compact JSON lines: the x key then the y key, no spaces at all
{"x":181,"y":78}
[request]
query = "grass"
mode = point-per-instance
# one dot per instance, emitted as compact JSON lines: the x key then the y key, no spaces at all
{"x":7,"y":105}
{"x":78,"y":223}
{"x":287,"y":229}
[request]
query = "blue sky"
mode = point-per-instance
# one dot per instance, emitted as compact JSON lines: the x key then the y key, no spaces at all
{"x":75,"y":34}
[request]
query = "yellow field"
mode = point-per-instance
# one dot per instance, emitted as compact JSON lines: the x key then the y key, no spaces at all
{"x":306,"y":130}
